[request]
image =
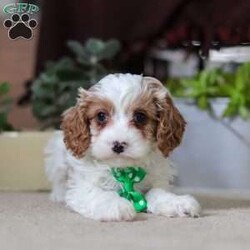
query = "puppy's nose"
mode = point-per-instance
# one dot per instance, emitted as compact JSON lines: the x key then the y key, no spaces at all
{"x":119,"y":147}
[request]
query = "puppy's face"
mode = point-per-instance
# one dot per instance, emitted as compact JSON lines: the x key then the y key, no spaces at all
{"x":122,"y":119}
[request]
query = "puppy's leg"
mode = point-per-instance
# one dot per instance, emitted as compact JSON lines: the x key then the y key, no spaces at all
{"x":161,"y":202}
{"x":58,"y":187}
{"x":95,"y":203}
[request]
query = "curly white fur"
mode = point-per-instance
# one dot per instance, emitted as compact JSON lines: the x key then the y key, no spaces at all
{"x":86,"y":184}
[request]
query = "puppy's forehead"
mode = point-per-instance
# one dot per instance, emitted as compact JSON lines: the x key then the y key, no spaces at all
{"x":121,"y":89}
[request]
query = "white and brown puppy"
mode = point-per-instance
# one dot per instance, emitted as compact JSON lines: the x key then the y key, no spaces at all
{"x":122,"y":120}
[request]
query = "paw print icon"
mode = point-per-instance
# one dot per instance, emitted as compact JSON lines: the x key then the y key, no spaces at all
{"x":20,"y":26}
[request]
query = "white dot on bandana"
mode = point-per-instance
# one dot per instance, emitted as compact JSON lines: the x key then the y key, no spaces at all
{"x":141,"y":202}
{"x":130,"y":175}
{"x":137,"y":179}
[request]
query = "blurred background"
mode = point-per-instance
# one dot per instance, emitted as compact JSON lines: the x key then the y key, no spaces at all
{"x":199,"y":49}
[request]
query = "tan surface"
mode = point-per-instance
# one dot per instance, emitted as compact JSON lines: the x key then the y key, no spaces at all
{"x":22,"y":160}
{"x":17,"y":60}
{"x":31,"y":221}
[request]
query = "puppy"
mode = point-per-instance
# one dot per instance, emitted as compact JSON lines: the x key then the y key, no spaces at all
{"x":121,"y":121}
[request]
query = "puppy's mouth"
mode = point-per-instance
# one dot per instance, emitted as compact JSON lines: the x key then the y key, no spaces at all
{"x":120,"y":157}
{"x":119,"y":161}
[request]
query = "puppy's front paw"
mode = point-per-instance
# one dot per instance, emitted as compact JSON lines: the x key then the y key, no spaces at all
{"x":168,"y":204}
{"x":100,"y":205}
{"x":179,"y":206}
{"x":57,"y":195}
{"x":118,"y":210}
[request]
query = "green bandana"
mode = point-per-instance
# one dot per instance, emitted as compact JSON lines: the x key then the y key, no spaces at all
{"x":128,"y":177}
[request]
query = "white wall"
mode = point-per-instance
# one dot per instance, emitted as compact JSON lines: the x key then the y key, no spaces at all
{"x":211,"y":156}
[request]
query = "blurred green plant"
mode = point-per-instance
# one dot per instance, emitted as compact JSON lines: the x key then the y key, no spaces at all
{"x":5,"y":104}
{"x":209,"y":84}
{"x":55,"y":89}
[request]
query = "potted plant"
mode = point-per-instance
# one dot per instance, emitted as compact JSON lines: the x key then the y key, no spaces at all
{"x":54,"y":90}
{"x":216,"y":147}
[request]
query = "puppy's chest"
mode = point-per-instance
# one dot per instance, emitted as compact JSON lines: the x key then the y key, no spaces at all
{"x":107,"y":182}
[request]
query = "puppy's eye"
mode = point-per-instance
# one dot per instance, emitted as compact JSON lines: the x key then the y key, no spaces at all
{"x":139,"y":117}
{"x":101,"y":117}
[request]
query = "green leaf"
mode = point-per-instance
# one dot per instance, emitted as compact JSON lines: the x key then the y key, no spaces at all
{"x":4,"y":88}
{"x":76,"y":47}
{"x":70,"y":74}
{"x":95,"y":46}
{"x":230,"y":111}
{"x":112,"y":47}
{"x":3,"y":119}
{"x":244,"y":112}
{"x":203,"y":102}
{"x":5,"y":105}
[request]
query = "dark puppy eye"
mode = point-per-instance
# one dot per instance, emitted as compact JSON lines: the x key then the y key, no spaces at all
{"x":101,"y":117}
{"x":139,"y":117}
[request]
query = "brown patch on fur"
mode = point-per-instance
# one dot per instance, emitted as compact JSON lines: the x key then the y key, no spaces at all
{"x":96,"y":105}
{"x":77,"y":121}
{"x":145,"y":104}
{"x":76,"y":130}
{"x":170,"y":123}
{"x":171,"y":126}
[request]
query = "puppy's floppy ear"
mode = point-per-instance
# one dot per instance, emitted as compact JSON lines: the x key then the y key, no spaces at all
{"x":75,"y":127}
{"x":171,"y":126}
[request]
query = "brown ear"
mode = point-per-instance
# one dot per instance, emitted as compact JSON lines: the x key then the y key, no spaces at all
{"x":76,"y":131}
{"x":171,"y":126}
